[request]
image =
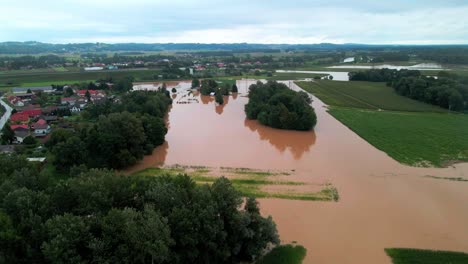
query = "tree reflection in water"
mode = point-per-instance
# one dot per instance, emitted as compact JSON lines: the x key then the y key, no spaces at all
{"x":297,"y":142}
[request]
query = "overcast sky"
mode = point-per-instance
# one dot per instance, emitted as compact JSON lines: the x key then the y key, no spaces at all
{"x":252,"y":21}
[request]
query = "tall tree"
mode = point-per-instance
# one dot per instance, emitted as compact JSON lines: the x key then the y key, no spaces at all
{"x":8,"y":135}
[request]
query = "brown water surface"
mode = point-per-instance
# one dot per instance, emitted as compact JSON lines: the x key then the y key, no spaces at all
{"x":382,"y":203}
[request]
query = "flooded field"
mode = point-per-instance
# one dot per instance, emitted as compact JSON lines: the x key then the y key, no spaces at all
{"x":421,"y":66}
{"x":337,"y":76}
{"x":382,"y":203}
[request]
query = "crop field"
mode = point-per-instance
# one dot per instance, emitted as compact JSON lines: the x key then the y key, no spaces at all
{"x":419,"y":256}
{"x":367,"y":95}
{"x":413,"y":138}
{"x":31,"y":79}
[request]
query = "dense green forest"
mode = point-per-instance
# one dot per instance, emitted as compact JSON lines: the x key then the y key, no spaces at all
{"x":275,"y":105}
{"x":98,"y":216}
{"x":447,"y":90}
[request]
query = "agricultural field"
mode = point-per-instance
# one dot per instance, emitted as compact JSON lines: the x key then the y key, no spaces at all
{"x":419,"y":256}
{"x":366,"y":95}
{"x":256,"y":183}
{"x":413,"y":138}
{"x":33,"y":79}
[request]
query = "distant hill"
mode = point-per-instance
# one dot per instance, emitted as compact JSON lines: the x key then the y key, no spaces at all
{"x":33,"y":47}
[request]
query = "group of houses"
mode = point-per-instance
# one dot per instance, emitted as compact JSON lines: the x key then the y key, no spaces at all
{"x":30,"y":119}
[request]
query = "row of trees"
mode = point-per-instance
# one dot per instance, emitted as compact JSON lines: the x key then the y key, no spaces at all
{"x":118,"y":136}
{"x":447,"y":90}
{"x":97,"y":216}
{"x":275,"y":105}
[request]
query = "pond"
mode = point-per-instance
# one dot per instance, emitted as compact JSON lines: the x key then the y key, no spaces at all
{"x":382,"y":203}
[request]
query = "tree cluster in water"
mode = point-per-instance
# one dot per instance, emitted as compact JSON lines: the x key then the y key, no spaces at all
{"x":96,"y":216}
{"x":274,"y":104}
{"x":447,"y":90}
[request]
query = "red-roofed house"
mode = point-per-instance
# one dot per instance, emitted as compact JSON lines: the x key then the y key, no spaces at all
{"x":32,"y":113}
{"x":68,"y":100}
{"x":91,"y":92}
{"x":19,"y":118}
{"x":41,"y":128}
{"x":16,"y":101}
{"x":19,"y":127}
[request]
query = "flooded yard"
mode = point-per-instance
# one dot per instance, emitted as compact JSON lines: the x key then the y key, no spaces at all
{"x":382,"y":203}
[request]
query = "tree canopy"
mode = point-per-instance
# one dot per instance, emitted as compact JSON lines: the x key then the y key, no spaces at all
{"x":275,"y":105}
{"x":101,"y":217}
{"x":447,"y":90}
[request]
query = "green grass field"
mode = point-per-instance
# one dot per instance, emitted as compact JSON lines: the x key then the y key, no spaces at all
{"x":32,"y":79}
{"x":367,"y":95}
{"x":413,"y":138}
{"x":284,"y":254}
{"x":419,"y":256}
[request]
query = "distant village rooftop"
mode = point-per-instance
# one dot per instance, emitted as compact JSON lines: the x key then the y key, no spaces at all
{"x":22,"y":90}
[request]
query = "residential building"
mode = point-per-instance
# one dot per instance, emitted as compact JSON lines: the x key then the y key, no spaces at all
{"x":22,"y":90}
{"x":41,"y":128}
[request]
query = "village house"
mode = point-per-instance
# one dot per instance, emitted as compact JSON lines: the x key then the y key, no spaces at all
{"x":68,"y":100}
{"x":32,"y":113}
{"x":20,"y":135}
{"x":19,"y":118}
{"x":41,"y":128}
{"x":16,"y":101}
{"x":22,"y":90}
{"x":82,"y":93}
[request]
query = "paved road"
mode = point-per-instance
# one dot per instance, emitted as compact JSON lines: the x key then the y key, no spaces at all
{"x":7,"y":114}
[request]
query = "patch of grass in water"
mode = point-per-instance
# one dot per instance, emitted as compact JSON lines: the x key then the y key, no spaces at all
{"x":447,"y":178}
{"x":250,"y":186}
{"x":283,"y":254}
{"x":421,"y":256}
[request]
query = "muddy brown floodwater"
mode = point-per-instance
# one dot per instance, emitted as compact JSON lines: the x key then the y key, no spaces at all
{"x":382,"y":203}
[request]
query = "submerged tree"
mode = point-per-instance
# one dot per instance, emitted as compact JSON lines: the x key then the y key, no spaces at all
{"x":219,"y":98}
{"x":274,"y":104}
{"x":234,"y":88}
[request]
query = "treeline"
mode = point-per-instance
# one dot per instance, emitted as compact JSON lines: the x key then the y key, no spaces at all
{"x":97,"y":216}
{"x":209,"y":86}
{"x":274,"y":104}
{"x":445,"y":54}
{"x":447,"y":90}
{"x":119,"y":134}
{"x":16,"y":63}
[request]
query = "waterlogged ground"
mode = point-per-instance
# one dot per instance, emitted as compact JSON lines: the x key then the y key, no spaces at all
{"x":382,"y":203}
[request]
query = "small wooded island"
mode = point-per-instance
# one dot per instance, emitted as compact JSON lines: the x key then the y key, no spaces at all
{"x":274,"y":104}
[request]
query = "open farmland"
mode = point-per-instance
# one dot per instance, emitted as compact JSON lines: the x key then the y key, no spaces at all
{"x":32,"y":79}
{"x":418,"y":139}
{"x":367,"y":95}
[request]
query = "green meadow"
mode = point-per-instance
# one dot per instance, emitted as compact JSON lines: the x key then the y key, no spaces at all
{"x":413,"y":138}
